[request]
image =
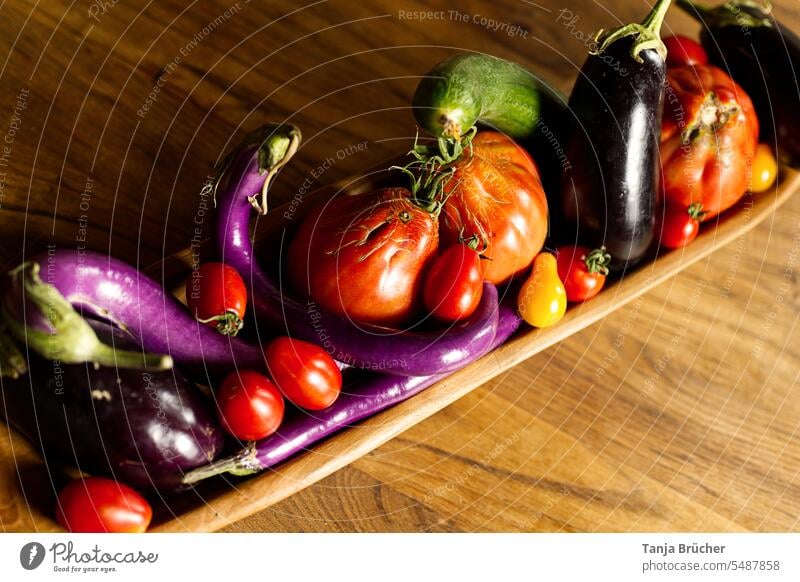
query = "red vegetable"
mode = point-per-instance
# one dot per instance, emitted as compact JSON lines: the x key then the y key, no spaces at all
{"x":680,"y":225}
{"x":682,"y":51}
{"x":304,"y":372}
{"x":496,"y":195}
{"x":582,"y":271}
{"x":364,"y":256}
{"x":99,"y":505}
{"x":708,"y":139}
{"x":250,"y":405}
{"x":454,"y":284}
{"x":217,"y":296}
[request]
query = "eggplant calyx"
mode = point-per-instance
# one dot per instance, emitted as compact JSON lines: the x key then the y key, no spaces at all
{"x":647,"y":34}
{"x":744,"y":13}
{"x":12,"y":362}
{"x":245,"y":462}
{"x":229,"y":323}
{"x":72,"y":340}
{"x":276,"y":144}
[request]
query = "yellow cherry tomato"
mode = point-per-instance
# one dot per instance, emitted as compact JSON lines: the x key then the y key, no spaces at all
{"x":542,"y":299}
{"x":764,"y":171}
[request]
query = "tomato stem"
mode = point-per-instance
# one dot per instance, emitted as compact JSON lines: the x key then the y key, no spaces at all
{"x":431,"y":169}
{"x":696,"y":211}
{"x":597,"y":261}
{"x":229,"y":323}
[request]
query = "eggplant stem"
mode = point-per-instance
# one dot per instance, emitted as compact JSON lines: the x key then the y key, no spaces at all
{"x":72,"y":340}
{"x":279,"y":152}
{"x":242,"y":463}
{"x":647,"y":34}
{"x":276,"y":144}
{"x":12,"y":362}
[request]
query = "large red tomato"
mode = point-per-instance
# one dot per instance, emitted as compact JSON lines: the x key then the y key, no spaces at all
{"x":708,"y":139}
{"x":496,"y":195}
{"x":365,"y":256}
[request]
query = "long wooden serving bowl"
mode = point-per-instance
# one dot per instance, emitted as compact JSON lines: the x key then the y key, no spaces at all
{"x":24,"y":505}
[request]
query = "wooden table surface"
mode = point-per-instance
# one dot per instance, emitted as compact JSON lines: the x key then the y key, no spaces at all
{"x":678,"y":412}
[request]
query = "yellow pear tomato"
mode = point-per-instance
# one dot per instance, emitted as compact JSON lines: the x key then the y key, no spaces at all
{"x":542,"y":299}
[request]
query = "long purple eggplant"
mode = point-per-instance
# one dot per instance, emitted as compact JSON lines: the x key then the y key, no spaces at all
{"x":143,"y":428}
{"x":241,"y":185}
{"x":47,"y":316}
{"x":363,"y":398}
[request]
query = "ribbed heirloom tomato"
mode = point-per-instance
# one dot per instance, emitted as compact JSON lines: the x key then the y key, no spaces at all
{"x":364,"y":256}
{"x":708,"y":138}
{"x":496,"y":195}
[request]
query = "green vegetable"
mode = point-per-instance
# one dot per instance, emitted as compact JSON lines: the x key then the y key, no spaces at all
{"x":469,"y":88}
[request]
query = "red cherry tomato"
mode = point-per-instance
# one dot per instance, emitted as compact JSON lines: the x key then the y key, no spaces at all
{"x":217,"y":297}
{"x":454,"y":284}
{"x":682,"y":50}
{"x":304,"y":372}
{"x":250,"y":405}
{"x":680,"y":225}
{"x":99,"y":505}
{"x":582,"y":271}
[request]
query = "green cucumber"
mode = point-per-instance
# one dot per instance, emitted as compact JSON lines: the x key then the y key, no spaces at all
{"x":469,"y":88}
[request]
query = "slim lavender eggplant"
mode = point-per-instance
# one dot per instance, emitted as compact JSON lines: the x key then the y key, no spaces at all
{"x":763,"y":56}
{"x":241,"y":186}
{"x":360,"y":399}
{"x":143,"y":428}
{"x":47,"y":316}
{"x":611,"y":189}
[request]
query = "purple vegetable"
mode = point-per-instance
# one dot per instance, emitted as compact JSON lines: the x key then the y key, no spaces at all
{"x":143,"y":428}
{"x":357,"y":401}
{"x":43,"y":315}
{"x":243,"y":180}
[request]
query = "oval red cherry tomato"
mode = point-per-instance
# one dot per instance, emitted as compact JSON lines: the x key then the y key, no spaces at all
{"x":454,"y":284}
{"x":304,"y":372}
{"x":680,"y":225}
{"x":99,"y":505}
{"x":250,"y":405}
{"x":582,"y":271}
{"x":682,"y":50}
{"x":217,"y":297}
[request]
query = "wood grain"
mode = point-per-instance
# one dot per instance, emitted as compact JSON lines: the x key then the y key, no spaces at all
{"x":677,"y":411}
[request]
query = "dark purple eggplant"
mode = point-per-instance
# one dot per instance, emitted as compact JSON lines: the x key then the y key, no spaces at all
{"x":142,"y":428}
{"x":763,"y":56}
{"x":242,"y":184}
{"x":47,"y":315}
{"x":364,"y":395}
{"x":610,"y":189}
